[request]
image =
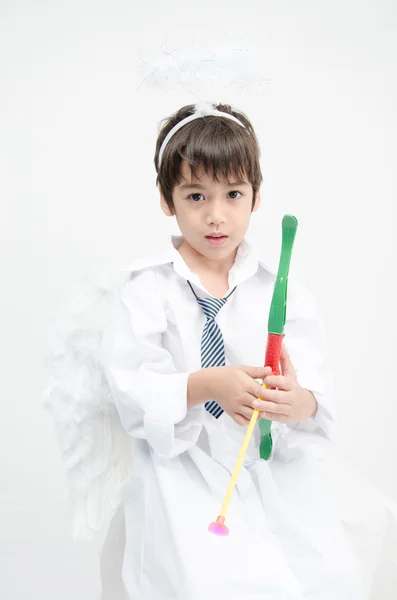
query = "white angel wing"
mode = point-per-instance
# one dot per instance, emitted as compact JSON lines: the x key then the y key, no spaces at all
{"x":95,"y":449}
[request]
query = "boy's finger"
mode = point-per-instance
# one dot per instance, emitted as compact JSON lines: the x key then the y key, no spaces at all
{"x":272,"y":408}
{"x":255,"y":372}
{"x":278,"y":381}
{"x":272,"y":395}
{"x":287,"y":368}
{"x":268,"y":371}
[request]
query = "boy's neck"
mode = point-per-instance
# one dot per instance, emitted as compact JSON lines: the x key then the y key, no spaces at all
{"x":199,"y":263}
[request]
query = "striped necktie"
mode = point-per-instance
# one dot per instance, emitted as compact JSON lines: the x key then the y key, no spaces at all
{"x":212,"y":346}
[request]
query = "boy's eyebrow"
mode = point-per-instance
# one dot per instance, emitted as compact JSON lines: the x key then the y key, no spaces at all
{"x":202,"y":187}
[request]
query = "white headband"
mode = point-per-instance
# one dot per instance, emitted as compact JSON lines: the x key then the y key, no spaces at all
{"x":203,"y":109}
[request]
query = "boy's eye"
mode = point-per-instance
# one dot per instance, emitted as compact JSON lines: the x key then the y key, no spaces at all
{"x":197,"y":197}
{"x":194,"y":197}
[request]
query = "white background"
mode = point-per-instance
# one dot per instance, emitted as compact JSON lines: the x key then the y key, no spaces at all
{"x":78,"y":190}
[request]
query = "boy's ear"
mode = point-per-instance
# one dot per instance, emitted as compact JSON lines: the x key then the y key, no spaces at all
{"x":165,"y":208}
{"x":257,"y":201}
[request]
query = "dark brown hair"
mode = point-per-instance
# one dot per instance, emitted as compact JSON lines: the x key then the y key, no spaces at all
{"x":219,"y":145}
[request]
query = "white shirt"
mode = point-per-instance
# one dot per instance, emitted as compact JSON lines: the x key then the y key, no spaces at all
{"x":281,"y":515}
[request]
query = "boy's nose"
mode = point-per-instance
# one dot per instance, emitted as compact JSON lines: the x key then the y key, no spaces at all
{"x":216,"y":214}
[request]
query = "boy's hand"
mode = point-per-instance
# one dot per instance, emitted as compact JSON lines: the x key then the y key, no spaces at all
{"x":234,"y":388}
{"x":288,"y":403}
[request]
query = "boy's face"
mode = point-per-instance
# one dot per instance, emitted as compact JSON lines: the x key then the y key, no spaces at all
{"x":213,"y":216}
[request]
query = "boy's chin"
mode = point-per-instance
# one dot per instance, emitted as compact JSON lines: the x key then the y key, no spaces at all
{"x":212,"y":251}
{"x":218,"y":252}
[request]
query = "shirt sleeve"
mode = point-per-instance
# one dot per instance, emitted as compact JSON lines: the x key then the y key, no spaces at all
{"x":305,"y":340}
{"x":149,"y":394}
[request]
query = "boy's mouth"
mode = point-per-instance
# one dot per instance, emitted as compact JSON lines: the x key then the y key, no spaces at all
{"x":216,"y":239}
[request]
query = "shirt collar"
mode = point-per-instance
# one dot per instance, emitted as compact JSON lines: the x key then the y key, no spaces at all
{"x":245,"y":264}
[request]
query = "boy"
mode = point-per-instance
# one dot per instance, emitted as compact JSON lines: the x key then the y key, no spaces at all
{"x":182,"y":355}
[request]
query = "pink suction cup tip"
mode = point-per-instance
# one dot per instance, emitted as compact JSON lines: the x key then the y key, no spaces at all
{"x":219,"y":527}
